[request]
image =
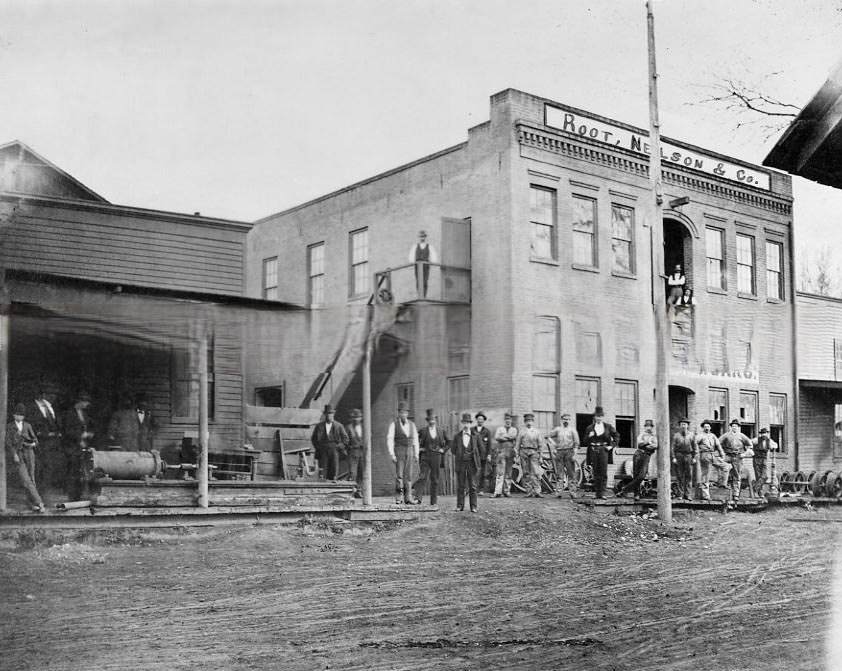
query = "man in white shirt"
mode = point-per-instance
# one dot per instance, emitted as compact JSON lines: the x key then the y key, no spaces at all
{"x":433,"y":442}
{"x":50,"y":463}
{"x":566,"y":440}
{"x":403,"y":445}
{"x":20,"y":448}
{"x":422,"y":254}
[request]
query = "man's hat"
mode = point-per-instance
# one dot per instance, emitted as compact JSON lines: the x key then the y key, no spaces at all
{"x":764,"y":430}
{"x":481,"y":414}
{"x":356,"y":413}
{"x":528,"y":415}
{"x":403,"y":405}
{"x":565,"y":414}
{"x":683,"y":420}
{"x":466,"y":417}
{"x":329,"y":409}
{"x":141,"y":401}
{"x":734,"y":421}
{"x":431,"y":415}
{"x":598,"y":411}
{"x":20,"y":409}
{"x":83,"y":396}
{"x":706,"y":421}
{"x":648,"y":422}
{"x":508,"y":415}
{"x":422,"y":234}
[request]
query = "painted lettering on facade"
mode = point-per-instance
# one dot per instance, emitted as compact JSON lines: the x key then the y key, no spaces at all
{"x":600,"y":131}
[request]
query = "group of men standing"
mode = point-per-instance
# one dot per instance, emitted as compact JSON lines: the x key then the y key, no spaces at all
{"x":46,"y":448}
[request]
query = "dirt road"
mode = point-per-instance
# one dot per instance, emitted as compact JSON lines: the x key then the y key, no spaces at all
{"x":521,"y":585}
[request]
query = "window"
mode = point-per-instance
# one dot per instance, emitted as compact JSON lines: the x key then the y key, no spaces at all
{"x":777,"y":420}
{"x":185,"y":382}
{"x":269,"y":397}
{"x":458,"y":393}
{"x":717,"y":348}
{"x":584,"y":231}
{"x":316,"y":270}
{"x":745,"y":264}
{"x":542,"y":208}
{"x":837,"y":358}
{"x":545,"y":349}
{"x":458,"y":337}
{"x":545,"y":401}
{"x":625,"y":396}
{"x":622,"y":239}
{"x":718,"y":410}
{"x":715,"y":258}
{"x":589,"y":347}
{"x":270,"y":279}
{"x":587,"y":398}
{"x":405,"y":393}
{"x":359,"y":281}
{"x":748,"y":413}
{"x":774,"y":270}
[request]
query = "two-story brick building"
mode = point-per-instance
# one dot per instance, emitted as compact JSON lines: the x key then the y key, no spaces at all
{"x":542,"y":300}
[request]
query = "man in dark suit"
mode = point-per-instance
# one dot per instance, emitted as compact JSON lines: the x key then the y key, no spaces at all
{"x":133,"y":426}
{"x":467,"y":452}
{"x":20,"y":447}
{"x":600,"y":438}
{"x":50,"y":464}
{"x":78,"y":433}
{"x":433,"y":444}
{"x":330,"y":440}
{"x":356,"y":450}
{"x":485,"y":440}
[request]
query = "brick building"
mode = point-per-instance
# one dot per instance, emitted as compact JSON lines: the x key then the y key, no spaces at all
{"x":541,"y":297}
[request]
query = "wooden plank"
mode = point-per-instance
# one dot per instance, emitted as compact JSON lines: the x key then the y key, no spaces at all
{"x":280,"y":416}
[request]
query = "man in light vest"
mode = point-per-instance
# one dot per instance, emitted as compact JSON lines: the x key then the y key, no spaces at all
{"x":422,"y":255}
{"x":403,"y":445}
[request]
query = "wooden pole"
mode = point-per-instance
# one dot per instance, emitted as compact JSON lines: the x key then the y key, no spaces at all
{"x":4,"y":383}
{"x":662,"y":336}
{"x":203,"y":417}
{"x":367,"y":418}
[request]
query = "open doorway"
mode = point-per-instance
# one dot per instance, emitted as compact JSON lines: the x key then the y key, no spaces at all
{"x":681,"y":402}
{"x":678,"y":249}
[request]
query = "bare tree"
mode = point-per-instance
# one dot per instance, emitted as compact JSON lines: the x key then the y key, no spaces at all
{"x":820,"y":275}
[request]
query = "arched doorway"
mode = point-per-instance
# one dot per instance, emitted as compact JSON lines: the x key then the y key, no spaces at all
{"x":682,"y":404}
{"x":678,"y":248}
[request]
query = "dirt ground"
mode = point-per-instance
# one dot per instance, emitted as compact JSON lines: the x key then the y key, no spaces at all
{"x":522,"y":584}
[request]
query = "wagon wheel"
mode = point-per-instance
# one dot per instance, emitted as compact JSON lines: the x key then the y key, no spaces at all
{"x":517,"y":478}
{"x":675,"y":492}
{"x":579,"y":474}
{"x":799,"y":485}
{"x":587,"y":476}
{"x":816,"y":483}
{"x":549,"y":478}
{"x":829,"y":484}
{"x":836,"y":489}
{"x":648,"y":489}
{"x":784,"y":481}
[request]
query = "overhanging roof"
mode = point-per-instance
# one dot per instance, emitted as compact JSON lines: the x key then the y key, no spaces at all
{"x":812,"y":145}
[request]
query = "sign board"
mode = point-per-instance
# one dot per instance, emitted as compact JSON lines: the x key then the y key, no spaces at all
{"x":606,"y":133}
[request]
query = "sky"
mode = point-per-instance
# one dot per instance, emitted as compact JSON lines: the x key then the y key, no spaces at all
{"x":239,"y":108}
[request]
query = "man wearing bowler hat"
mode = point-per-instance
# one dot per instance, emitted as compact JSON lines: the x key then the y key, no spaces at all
{"x":329,"y":439}
{"x":422,"y":255}
{"x":734,"y":443}
{"x":601,"y":437}
{"x":466,"y":449}
{"x":402,"y":443}
{"x":356,"y":450}
{"x":485,"y":465}
{"x":21,"y":442}
{"x":433,"y":444}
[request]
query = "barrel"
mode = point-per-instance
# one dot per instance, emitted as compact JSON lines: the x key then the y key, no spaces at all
{"x":123,"y":465}
{"x":829,"y":484}
{"x":836,"y":491}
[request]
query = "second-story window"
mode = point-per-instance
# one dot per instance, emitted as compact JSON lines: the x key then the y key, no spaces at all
{"x":745,"y":264}
{"x":715,"y":258}
{"x":270,"y":279}
{"x":316,"y":270}
{"x":542,"y":219}
{"x":584,"y":231}
{"x":622,"y":239}
{"x":774,"y":270}
{"x":359,"y":280}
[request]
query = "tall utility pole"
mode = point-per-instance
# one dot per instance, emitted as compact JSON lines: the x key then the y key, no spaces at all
{"x":369,"y":346}
{"x":659,"y":299}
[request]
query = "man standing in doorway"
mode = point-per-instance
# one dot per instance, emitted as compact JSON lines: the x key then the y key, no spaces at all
{"x":485,"y":442}
{"x":466,"y":447}
{"x":684,"y":457}
{"x":566,"y":439}
{"x":356,"y":450}
{"x":402,"y":443}
{"x":78,"y":434}
{"x":710,"y":454}
{"x":647,"y":443}
{"x":734,"y":443}
{"x":433,"y":444}
{"x":50,"y":463}
{"x":329,"y":439}
{"x":505,"y":438}
{"x":601,"y":438}
{"x":422,"y":254}
{"x":528,"y":452}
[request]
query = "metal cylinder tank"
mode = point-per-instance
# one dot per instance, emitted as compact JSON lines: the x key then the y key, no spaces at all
{"x":119,"y":465}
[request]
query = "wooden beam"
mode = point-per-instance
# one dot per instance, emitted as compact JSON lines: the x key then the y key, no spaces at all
{"x":202,"y":474}
{"x":4,"y":382}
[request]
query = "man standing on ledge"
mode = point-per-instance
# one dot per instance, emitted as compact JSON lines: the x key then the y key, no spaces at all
{"x":402,"y":443}
{"x":422,"y":255}
{"x":466,"y":457}
{"x":601,"y":438}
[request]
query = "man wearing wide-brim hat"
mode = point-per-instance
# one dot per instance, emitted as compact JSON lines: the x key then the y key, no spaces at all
{"x":734,"y":444}
{"x":356,"y":449}
{"x":467,"y":452}
{"x":600,"y":437}
{"x":329,"y":440}
{"x":21,"y":442}
{"x":402,"y":443}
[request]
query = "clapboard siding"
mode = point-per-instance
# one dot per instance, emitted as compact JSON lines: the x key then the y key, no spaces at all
{"x":816,"y":437}
{"x":819,"y":323}
{"x":127,"y":246}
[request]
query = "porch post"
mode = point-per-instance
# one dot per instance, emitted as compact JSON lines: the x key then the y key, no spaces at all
{"x":367,"y":419}
{"x":4,"y":383}
{"x":203,"y":417}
